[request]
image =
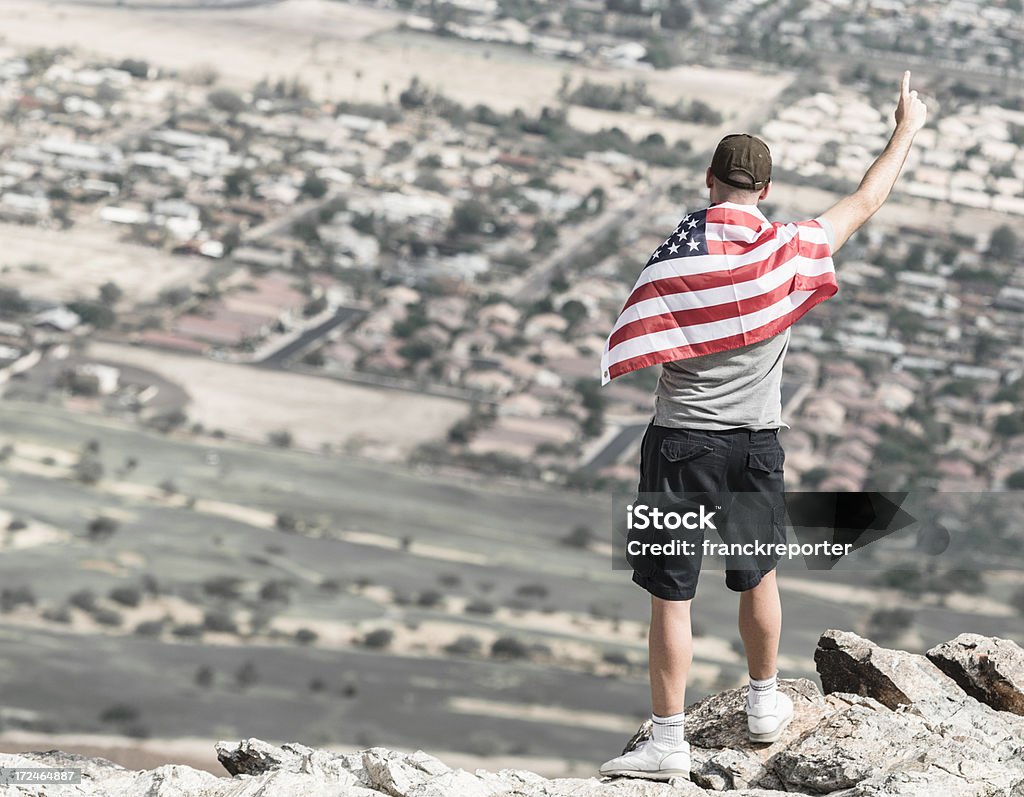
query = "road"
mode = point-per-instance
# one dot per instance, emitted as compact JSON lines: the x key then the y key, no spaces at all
{"x":279,"y":358}
{"x":535,"y":281}
{"x":617,"y":446}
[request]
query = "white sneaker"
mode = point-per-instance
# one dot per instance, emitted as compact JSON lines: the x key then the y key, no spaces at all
{"x":651,"y":762}
{"x":767,"y":720}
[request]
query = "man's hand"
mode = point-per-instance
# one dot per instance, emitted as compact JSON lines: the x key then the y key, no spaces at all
{"x":849,"y":213}
{"x":910,"y":111}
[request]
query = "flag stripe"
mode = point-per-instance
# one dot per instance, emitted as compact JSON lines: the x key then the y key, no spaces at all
{"x":771,"y":328}
{"x":698,"y":312}
{"x":727,"y":277}
{"x":694,"y":283}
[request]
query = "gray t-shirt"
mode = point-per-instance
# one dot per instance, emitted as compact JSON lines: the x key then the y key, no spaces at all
{"x":740,"y":388}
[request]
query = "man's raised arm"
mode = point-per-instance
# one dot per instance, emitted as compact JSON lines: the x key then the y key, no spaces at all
{"x":850,"y":213}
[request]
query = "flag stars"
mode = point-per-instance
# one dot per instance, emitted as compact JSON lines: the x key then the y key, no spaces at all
{"x":694,"y":245}
{"x":691,"y":223}
{"x":674,"y":248}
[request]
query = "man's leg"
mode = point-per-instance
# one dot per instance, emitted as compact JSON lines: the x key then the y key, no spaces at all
{"x":666,"y":754}
{"x":769,"y":711}
{"x":761,"y":627}
{"x":670,"y":653}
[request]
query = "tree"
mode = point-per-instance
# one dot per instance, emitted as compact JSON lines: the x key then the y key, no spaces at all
{"x":88,"y":469}
{"x":1003,"y":243}
{"x":574,"y":311}
{"x":96,"y":313}
{"x":509,"y":647}
{"x":110,"y":293}
{"x":12,"y":302}
{"x":127,"y":595}
{"x":469,"y":217}
{"x":579,"y":537}
{"x":226,"y":100}
{"x":237,"y":180}
{"x":102,"y":528}
{"x":281,"y":438}
{"x":380,"y":638}
{"x":204,"y":676}
{"x":676,"y":16}
{"x":135,"y":67}
{"x":314,"y":186}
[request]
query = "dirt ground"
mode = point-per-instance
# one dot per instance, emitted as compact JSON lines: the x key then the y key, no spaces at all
{"x":64,"y":265}
{"x":354,"y":52}
{"x":249,"y":403}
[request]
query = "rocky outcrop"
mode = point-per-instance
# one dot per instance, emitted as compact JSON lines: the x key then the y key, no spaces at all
{"x":989,"y":669}
{"x":890,"y":724}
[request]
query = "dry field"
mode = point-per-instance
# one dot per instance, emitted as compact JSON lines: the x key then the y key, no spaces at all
{"x":250,"y":403}
{"x":352,"y":52}
{"x":64,"y":265}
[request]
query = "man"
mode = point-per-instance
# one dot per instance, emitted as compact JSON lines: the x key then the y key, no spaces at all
{"x":714,"y":306}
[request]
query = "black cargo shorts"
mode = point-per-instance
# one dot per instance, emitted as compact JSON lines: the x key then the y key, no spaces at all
{"x":741,"y":471}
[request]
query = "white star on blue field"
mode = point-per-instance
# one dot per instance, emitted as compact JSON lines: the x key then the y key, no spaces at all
{"x":689,"y":238}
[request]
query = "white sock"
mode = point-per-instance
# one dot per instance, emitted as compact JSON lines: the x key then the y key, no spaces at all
{"x":761,"y":691}
{"x":667,"y":732}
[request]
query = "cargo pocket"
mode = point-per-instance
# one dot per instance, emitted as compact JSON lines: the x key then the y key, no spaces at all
{"x":766,"y":461}
{"x":683,"y":450}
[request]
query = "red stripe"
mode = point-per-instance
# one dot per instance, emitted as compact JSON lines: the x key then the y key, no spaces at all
{"x":709,"y":314}
{"x":688,"y":283}
{"x":721,"y":344}
{"x":739,"y":218}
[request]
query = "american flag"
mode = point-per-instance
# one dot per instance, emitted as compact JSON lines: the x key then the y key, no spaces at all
{"x":726,"y":277}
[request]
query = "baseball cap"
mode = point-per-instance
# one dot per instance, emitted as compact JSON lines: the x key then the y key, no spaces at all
{"x":744,"y":153}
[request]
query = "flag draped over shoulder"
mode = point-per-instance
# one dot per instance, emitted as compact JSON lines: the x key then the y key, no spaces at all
{"x":727,"y":277}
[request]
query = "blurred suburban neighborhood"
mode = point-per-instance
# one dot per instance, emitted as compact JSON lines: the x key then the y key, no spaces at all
{"x":415,"y":242}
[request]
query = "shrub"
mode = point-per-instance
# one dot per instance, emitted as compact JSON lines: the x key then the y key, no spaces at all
{"x":219,"y":621}
{"x":430,"y":598}
{"x":616,"y":657}
{"x":119,"y":712}
{"x":108,"y":617}
{"x":246,"y":675}
{"x":101,"y":528}
{"x":204,"y":676}
{"x":465,"y":645}
{"x":306,"y":636}
{"x":150,"y":628}
{"x":13,"y":597}
{"x":379,"y":638}
{"x":579,"y":537}
{"x":226,"y":587}
{"x":276,"y":590}
{"x":188,"y":630}
{"x":57,"y":614}
{"x":84,"y":599}
{"x":479,"y":607}
{"x":532,"y":591}
{"x":127,"y":595}
{"x":885,"y":625}
{"x":509,"y":647}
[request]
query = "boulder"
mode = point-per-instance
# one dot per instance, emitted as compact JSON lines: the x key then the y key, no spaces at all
{"x":989,"y":669}
{"x":849,"y":663}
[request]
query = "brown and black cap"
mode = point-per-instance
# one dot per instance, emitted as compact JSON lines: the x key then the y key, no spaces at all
{"x":742,"y":161}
